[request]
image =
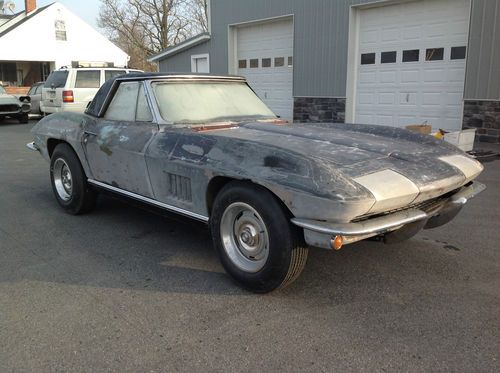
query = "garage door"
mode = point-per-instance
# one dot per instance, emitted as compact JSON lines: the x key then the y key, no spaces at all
{"x":411,"y":63}
{"x":265,"y":58}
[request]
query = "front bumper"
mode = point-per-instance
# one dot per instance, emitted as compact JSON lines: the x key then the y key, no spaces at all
{"x":323,"y":234}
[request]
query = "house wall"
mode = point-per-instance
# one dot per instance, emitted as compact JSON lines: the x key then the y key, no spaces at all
{"x":181,"y":62}
{"x":34,"y":40}
{"x":321,"y":29}
{"x":482,"y":83}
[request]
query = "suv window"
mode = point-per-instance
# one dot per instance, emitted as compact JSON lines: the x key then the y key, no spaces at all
{"x":56,"y":79}
{"x":123,"y":105}
{"x":88,"y":79}
{"x":112,"y":73}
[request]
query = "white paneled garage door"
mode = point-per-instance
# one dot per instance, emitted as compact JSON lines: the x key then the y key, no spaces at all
{"x":265,"y":58}
{"x":411,"y":63}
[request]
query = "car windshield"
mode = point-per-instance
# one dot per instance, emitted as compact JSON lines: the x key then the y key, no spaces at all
{"x":2,"y":90}
{"x":56,"y":79}
{"x":205,"y":102}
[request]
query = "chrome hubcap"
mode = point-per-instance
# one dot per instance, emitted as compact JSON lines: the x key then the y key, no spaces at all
{"x":63,"y":180}
{"x":244,"y":237}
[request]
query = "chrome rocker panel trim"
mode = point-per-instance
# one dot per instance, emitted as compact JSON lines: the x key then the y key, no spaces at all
{"x":150,"y":201}
{"x":319,"y":233}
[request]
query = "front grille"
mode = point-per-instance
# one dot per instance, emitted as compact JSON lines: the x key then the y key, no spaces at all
{"x":9,"y":108}
{"x":425,"y":206}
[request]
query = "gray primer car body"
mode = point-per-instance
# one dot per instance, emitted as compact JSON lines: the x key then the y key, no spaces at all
{"x":310,"y":167}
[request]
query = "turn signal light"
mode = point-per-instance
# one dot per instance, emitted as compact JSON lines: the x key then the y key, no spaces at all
{"x":337,"y":242}
{"x":68,"y":96}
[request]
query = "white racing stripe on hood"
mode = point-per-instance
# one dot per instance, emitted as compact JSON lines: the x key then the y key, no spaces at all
{"x":468,"y":166}
{"x":390,"y":189}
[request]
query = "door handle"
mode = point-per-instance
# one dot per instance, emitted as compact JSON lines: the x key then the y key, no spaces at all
{"x":88,"y":133}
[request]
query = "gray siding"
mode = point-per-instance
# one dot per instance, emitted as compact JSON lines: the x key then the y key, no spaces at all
{"x":320,"y":41}
{"x":482,"y":80}
{"x":321,"y":38}
{"x":181,"y":62}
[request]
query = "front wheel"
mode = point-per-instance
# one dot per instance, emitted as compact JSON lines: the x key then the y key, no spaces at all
{"x":69,"y":182}
{"x":254,"y":239}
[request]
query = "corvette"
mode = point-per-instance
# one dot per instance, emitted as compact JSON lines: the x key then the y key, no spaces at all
{"x":207,"y":147}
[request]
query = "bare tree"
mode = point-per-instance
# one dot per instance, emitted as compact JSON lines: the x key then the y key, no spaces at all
{"x":145,"y":27}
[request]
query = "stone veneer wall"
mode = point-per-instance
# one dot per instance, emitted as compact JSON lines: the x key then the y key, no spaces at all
{"x":485,"y":117}
{"x":319,"y":109}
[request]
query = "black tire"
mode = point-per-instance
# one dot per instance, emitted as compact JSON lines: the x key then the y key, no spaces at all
{"x":23,"y":118}
{"x":80,"y":198}
{"x":286,"y":253}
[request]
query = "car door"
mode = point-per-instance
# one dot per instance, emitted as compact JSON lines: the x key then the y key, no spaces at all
{"x":116,"y":143}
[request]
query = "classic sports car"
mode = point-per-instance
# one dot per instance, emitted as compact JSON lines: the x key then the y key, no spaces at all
{"x":207,"y":147}
{"x":14,"y":107}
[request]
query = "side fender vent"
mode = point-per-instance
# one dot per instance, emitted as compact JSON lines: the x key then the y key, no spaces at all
{"x":179,"y":187}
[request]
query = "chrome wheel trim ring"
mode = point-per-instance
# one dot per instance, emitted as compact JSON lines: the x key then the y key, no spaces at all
{"x":63,"y":180}
{"x":244,"y":237}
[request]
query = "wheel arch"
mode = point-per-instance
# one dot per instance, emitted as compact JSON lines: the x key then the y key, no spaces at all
{"x":217,"y":183}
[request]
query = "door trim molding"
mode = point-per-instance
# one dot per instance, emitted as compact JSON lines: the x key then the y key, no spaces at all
{"x":150,"y":201}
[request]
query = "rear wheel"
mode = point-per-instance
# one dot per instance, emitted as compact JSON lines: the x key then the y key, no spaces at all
{"x":254,"y":239}
{"x":69,"y":182}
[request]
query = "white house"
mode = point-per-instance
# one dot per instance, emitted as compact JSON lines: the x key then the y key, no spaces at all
{"x":38,"y":40}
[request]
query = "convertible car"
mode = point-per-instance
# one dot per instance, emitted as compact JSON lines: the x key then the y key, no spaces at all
{"x":14,"y":107}
{"x":207,"y":147}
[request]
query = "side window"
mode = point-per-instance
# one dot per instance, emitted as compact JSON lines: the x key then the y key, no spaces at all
{"x":39,"y":89}
{"x":108,"y":74}
{"x":123,"y":105}
{"x":88,"y":79}
{"x":143,"y":113}
{"x":32,"y":90}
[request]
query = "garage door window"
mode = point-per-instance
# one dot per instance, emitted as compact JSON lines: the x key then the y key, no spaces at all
{"x":242,"y":64}
{"x":290,"y":61}
{"x":88,"y":79}
{"x":434,"y":54}
{"x":254,"y":63}
{"x":388,"y":57}
{"x":411,"y":55}
{"x":279,"y":62}
{"x":458,"y":53}
{"x":367,"y":58}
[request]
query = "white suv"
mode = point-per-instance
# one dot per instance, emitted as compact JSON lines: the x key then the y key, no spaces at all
{"x":71,"y":89}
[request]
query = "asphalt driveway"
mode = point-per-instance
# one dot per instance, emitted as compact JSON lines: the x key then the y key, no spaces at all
{"x":125,"y":289}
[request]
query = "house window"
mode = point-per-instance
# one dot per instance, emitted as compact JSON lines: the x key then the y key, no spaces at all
{"x":367,"y":58}
{"x":200,"y":63}
{"x":434,"y":54}
{"x":279,"y":61}
{"x":254,"y":62}
{"x":458,"y":53}
{"x":388,"y":57}
{"x":242,"y":64}
{"x":411,"y":55}
{"x":60,"y":27}
{"x":266,"y":62}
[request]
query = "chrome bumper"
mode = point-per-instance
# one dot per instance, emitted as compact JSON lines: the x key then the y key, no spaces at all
{"x":322,"y":234}
{"x":33,"y":146}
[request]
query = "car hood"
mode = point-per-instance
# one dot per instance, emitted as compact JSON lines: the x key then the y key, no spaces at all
{"x":375,"y":157}
{"x":8,"y":99}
